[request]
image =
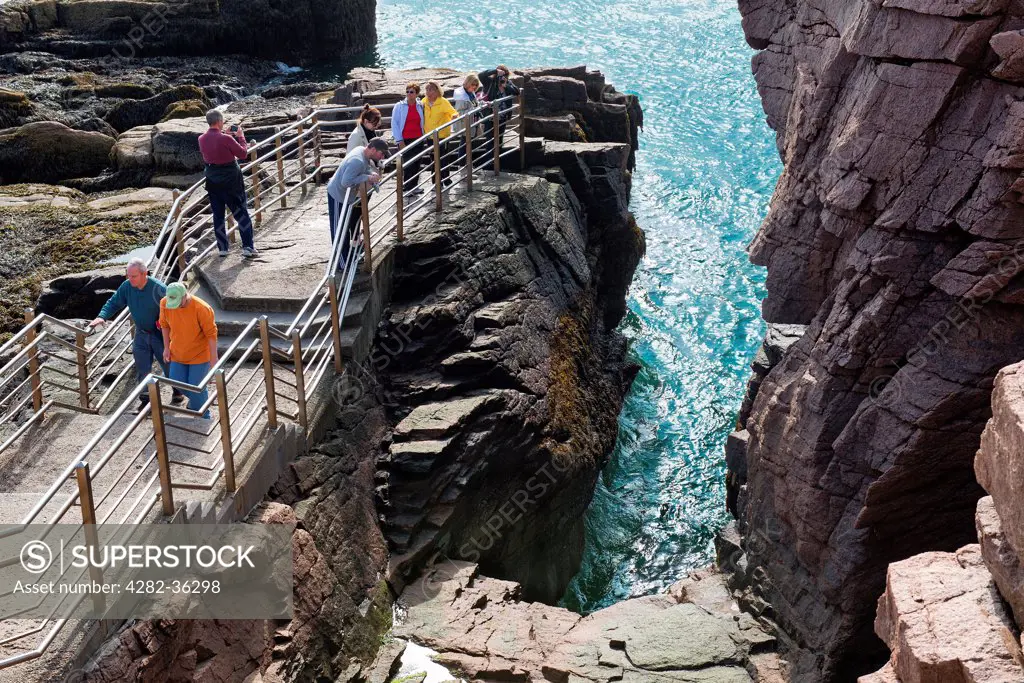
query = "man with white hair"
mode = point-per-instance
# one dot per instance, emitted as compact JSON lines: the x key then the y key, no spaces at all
{"x":141,"y":294}
{"x":224,"y":182}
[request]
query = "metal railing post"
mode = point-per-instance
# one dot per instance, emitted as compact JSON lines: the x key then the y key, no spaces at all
{"x":160,"y":439}
{"x":317,"y":148}
{"x":522,"y":131}
{"x":268,"y":372}
{"x":300,"y":380}
{"x":469,"y":155}
{"x":332,"y":293}
{"x":437,"y":170}
{"x":255,"y":172}
{"x":302,"y":158}
{"x":225,"y":431}
{"x":400,"y":199}
{"x":33,"y":363}
{"x":92,"y":538}
{"x":365,"y":208}
{"x":179,"y":233}
{"x":495,"y":119}
{"x":83,"y":369}
{"x":280,"y":171}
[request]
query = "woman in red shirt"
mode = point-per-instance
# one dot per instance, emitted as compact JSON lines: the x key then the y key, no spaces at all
{"x":407,"y":126}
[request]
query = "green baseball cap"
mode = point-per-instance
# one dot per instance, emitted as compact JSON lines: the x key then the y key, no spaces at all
{"x":175,"y":294}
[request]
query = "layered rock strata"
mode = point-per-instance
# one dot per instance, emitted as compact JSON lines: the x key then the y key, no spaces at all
{"x":503,"y":371}
{"x":893,"y":234}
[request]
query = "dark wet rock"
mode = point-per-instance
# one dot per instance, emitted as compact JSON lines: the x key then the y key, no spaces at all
{"x":14,"y":106}
{"x":132,"y":113}
{"x":48,"y":152}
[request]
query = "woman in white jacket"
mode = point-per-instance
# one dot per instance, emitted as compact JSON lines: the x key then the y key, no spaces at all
{"x":465,"y":101}
{"x":366,"y":128}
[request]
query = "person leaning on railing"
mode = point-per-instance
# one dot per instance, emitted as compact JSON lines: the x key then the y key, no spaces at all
{"x":358,"y":167}
{"x":141,"y":294}
{"x":190,"y":340}
{"x":437,"y":112}
{"x":225,"y":184}
{"x":366,"y":128}
{"x":407,"y":127}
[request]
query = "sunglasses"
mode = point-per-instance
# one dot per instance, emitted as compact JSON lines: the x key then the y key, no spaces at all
{"x":411,"y":92}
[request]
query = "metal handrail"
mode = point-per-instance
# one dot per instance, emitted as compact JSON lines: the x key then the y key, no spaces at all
{"x":320,"y":342}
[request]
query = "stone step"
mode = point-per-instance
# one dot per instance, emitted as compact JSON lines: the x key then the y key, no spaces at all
{"x":416,"y":458}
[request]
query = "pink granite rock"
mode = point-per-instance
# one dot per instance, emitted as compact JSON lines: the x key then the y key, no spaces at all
{"x":888,"y":236}
{"x":1002,"y":560}
{"x":999,"y":464}
{"x":943,"y":620}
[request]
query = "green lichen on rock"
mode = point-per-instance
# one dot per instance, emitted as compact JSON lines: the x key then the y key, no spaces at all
{"x":124,"y":91}
{"x":39,"y":242}
{"x":571,"y":434}
{"x":13,"y":105}
{"x":185,"y":109}
{"x":131,"y":113}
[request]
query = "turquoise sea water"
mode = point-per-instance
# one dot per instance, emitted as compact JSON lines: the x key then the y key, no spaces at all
{"x":705,"y":172}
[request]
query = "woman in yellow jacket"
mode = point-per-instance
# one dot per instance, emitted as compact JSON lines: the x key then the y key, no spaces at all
{"x":438,"y":111}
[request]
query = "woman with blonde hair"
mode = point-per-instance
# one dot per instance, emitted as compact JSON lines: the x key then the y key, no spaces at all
{"x":466,"y":101}
{"x":366,"y":128}
{"x":437,"y":112}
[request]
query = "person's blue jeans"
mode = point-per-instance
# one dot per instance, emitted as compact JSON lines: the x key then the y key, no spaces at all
{"x":233,"y":197}
{"x":148,"y":346}
{"x":335,"y":210}
{"x":192,"y":374}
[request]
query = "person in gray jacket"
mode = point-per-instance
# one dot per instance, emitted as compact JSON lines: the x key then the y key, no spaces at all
{"x":359,"y":166}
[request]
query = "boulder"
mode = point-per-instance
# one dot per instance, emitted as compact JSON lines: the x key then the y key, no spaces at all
{"x":185,"y":109}
{"x":134,"y":148}
{"x":131,"y":113}
{"x":482,"y":627}
{"x":176,"y":144}
{"x":563,"y":128}
{"x":944,"y":621}
{"x":47,"y":152}
{"x":80,"y":295}
{"x":124,"y":91}
{"x":999,"y":464}
{"x":1001,"y":558}
{"x":13,"y":106}
{"x":1009,"y":45}
{"x":131,"y":202}
{"x":97,"y":125}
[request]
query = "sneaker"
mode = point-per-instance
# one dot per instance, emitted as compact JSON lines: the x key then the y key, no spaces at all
{"x":177,"y":399}
{"x":249,"y":252}
{"x":222,"y":253}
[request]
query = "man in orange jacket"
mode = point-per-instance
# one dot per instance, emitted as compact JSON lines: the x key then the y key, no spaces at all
{"x":190,"y":340}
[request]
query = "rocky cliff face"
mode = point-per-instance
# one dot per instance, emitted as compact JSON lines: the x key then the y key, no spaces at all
{"x":118,"y":30}
{"x":476,"y":428}
{"x":894,"y":235}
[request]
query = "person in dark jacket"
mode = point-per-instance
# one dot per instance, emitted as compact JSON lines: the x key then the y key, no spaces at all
{"x":496,"y":83}
{"x":141,"y":294}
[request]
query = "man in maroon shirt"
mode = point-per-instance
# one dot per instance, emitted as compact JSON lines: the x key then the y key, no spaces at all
{"x":224,"y":182}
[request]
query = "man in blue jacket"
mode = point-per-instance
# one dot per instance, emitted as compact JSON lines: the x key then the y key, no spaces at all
{"x":142,"y":295}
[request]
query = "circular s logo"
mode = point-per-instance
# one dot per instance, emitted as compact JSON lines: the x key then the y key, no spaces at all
{"x":36,"y":557}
